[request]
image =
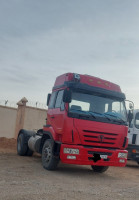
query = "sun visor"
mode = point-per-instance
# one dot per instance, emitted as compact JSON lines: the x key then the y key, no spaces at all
{"x":95,"y":90}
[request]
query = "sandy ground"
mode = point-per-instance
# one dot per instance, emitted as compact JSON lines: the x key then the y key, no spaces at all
{"x":23,"y":178}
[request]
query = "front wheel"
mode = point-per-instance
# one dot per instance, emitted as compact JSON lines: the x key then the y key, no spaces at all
{"x":49,"y":161}
{"x":99,"y":169}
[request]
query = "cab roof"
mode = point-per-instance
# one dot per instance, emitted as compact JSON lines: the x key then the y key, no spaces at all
{"x":86,"y":79}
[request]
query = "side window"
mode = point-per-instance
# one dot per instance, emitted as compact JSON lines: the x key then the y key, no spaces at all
{"x":52,"y":100}
{"x":59,"y":102}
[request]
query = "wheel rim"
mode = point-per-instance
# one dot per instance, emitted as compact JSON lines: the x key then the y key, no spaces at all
{"x":47,"y":154}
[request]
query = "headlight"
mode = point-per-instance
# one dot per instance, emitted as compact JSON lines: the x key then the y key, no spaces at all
{"x":71,"y":151}
{"x":122,"y":155}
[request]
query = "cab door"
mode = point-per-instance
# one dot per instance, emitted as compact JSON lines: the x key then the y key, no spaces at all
{"x":51,"y":106}
{"x":135,"y":139}
{"x":58,"y":113}
{"x":133,"y":134}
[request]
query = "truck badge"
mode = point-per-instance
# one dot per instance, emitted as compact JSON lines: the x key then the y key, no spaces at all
{"x":101,"y":138}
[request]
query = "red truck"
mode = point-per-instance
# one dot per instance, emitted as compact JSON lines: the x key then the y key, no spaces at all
{"x":86,"y":125}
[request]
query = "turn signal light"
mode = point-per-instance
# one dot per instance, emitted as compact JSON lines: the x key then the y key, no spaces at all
{"x":134,"y":151}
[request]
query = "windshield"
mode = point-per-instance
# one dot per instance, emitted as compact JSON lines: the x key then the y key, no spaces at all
{"x":98,"y":106}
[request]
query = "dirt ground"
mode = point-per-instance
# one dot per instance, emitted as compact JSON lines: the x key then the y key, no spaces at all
{"x":23,"y":178}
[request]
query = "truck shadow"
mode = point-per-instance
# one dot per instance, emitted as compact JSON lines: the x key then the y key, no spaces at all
{"x":82,"y":172}
{"x":135,"y":166}
{"x":78,"y":170}
{"x":132,"y":164}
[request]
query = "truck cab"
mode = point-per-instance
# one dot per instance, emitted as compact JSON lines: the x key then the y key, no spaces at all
{"x":133,"y":135}
{"x":86,"y":124}
{"x":91,"y":124}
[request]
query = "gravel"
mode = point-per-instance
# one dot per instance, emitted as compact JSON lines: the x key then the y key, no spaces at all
{"x":23,"y":178}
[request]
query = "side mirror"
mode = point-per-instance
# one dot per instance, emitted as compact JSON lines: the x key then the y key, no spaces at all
{"x":48,"y":98}
{"x":129,"y":104}
{"x":130,"y":117}
{"x":67,"y":96}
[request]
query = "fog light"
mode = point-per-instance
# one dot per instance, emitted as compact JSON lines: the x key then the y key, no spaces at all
{"x":71,"y":157}
{"x":122,"y":155}
{"x":122,"y":161}
{"x":71,"y":151}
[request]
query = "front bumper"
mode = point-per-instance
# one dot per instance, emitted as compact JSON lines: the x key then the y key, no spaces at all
{"x":86,"y":156}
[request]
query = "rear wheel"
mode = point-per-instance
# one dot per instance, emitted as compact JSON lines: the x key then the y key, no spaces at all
{"x":99,"y":169}
{"x":22,"y":145}
{"x":49,"y":161}
{"x":29,"y":152}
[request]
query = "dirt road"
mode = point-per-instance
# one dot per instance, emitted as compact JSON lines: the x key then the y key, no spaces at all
{"x":23,"y":178}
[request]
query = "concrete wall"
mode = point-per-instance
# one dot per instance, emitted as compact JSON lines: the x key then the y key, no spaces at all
{"x":35,"y":118}
{"x":24,"y":117}
{"x":7,"y":121}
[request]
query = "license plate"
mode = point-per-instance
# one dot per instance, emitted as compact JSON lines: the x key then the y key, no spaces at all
{"x":103,"y":156}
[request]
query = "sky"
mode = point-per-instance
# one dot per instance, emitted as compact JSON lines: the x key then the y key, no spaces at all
{"x":40,"y":40}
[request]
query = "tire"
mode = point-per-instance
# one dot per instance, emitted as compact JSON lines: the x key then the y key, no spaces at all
{"x":22,"y":145}
{"x":49,"y":161}
{"x":29,"y":152}
{"x":99,"y":169}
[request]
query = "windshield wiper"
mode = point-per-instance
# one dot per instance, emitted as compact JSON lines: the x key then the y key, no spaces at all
{"x":103,"y":114}
{"x":115,"y":117}
{"x":85,"y":112}
{"x":91,"y":114}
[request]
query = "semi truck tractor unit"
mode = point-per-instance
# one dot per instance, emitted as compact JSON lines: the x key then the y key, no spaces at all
{"x":86,"y":125}
{"x":133,"y":135}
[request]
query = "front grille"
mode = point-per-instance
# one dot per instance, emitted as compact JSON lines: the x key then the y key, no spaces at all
{"x":99,"y":142}
{"x":108,"y":138}
{"x":91,"y":147}
{"x":99,"y":138}
{"x":88,"y":131}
